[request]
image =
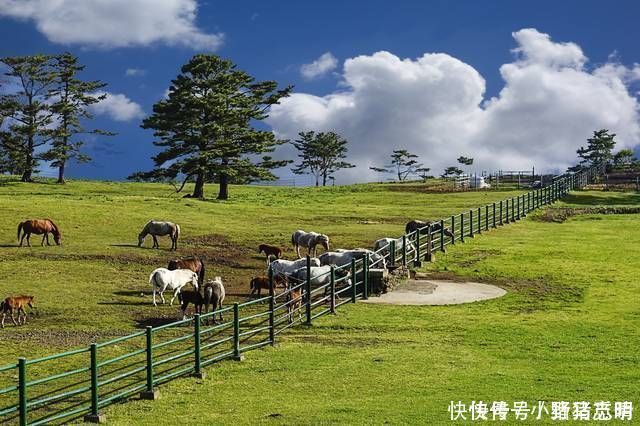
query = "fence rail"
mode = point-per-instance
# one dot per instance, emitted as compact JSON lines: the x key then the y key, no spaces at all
{"x":80,"y":382}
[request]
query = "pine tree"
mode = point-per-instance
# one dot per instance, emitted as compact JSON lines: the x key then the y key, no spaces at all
{"x":26,"y":110}
{"x":403,"y":164}
{"x":205,"y":126}
{"x":321,"y":154}
{"x":71,"y":97}
{"x":599,"y":149}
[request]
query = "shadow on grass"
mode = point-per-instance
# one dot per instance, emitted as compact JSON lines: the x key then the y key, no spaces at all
{"x":155,"y":321}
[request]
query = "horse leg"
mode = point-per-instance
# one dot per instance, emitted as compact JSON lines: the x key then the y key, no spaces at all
{"x":13,"y":319}
{"x":47,"y":234}
{"x":154,"y":295}
{"x":22,"y":239}
{"x":24,"y":315}
{"x":4,"y":314}
{"x":29,"y":240}
{"x":43,"y":237}
{"x":175,"y":294}
{"x":220,"y":306}
{"x":155,"y":241}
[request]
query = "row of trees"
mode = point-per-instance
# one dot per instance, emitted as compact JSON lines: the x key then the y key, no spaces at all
{"x":43,"y":104}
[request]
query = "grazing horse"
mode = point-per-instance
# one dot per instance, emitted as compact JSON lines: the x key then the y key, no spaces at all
{"x":156,"y":228}
{"x":164,"y":279}
{"x":194,"y":297}
{"x":259,"y":283}
{"x":39,"y":226}
{"x":214,"y":295}
{"x":270,"y":251}
{"x":16,"y":303}
{"x":343,"y":257}
{"x":285,"y":267}
{"x":193,"y":263}
{"x":414,"y":225}
{"x":382,"y":245}
{"x":309,"y":240}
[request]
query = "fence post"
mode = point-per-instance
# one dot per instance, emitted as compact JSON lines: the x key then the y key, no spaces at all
{"x":418,"y":261}
{"x":471,"y":223}
{"x":22,"y":390}
{"x":308,"y":291}
{"x":494,"y":214}
{"x":365,"y":279}
{"x":94,"y":416}
{"x":479,"y":220}
{"x":392,"y":252}
{"x":354,"y":280}
{"x":453,"y":229}
{"x":332,"y":301}
{"x":196,"y":340}
{"x":237,"y":356}
{"x":501,"y":223}
{"x":462,"y":227}
{"x":272,"y":304}
{"x":486,"y":217}
{"x":150,"y":392}
{"x":429,"y":254}
{"x":442,"y":235}
{"x":518,"y":208}
{"x":404,"y":250}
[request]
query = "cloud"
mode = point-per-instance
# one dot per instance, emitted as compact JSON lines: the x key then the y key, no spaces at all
{"x":135,"y":72}
{"x":435,"y":106}
{"x":324,"y":64}
{"x":117,"y":106}
{"x":115,"y":23}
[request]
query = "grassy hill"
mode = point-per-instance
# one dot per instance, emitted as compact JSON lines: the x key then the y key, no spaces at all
{"x":567,"y":329}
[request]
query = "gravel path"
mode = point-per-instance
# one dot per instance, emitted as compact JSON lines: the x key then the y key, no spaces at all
{"x":436,"y":292}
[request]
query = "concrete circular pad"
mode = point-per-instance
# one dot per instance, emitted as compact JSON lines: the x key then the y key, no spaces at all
{"x":436,"y":292}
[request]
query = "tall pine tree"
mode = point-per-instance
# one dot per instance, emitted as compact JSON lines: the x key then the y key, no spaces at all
{"x":71,"y":99}
{"x":321,"y":154}
{"x":27,"y":113}
{"x":599,"y":149}
{"x":206,"y":126}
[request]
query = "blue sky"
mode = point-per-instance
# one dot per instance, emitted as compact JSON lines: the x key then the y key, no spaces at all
{"x":272,"y":40}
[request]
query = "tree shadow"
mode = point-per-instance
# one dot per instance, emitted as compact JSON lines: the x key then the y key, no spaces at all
{"x":602,"y":199}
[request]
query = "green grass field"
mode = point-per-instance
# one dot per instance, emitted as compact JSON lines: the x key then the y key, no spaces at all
{"x":566,"y":330}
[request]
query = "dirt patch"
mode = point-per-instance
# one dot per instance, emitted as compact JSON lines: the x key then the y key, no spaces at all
{"x":559,"y":215}
{"x":218,"y":249}
{"x":422,"y":292}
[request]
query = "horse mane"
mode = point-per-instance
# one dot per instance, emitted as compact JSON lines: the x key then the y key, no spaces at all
{"x":55,"y":227}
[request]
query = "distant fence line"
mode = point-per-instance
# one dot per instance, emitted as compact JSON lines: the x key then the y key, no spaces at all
{"x":81,"y":382}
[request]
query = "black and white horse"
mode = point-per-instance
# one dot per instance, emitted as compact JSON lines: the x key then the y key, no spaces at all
{"x":309,"y":240}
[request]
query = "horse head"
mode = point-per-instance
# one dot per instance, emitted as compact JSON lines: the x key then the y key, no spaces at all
{"x":324,"y":241}
{"x":447,"y":232}
{"x":194,"y":280}
{"x":141,"y":238}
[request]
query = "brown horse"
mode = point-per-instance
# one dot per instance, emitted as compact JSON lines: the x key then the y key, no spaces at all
{"x":39,"y":226}
{"x":270,"y":251}
{"x":16,"y":303}
{"x":259,"y":283}
{"x":192,"y":263}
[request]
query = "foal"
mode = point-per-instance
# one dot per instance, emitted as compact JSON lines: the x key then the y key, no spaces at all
{"x":190,"y":296}
{"x":259,"y":283}
{"x":270,"y":251}
{"x":16,"y":303}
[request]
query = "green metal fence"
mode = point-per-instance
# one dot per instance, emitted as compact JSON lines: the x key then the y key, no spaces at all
{"x":78,"y":383}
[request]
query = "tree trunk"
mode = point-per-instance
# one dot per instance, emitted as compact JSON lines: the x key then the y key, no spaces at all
{"x":223,"y":193}
{"x":324,"y":179}
{"x":61,"y":173}
{"x":28,"y":167}
{"x":198,"y":191}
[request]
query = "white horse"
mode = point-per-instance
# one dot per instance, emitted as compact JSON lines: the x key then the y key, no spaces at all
{"x":382,"y":246}
{"x":343,"y":257}
{"x":288,"y":267}
{"x":309,"y":240}
{"x":321,"y":275}
{"x":164,"y":279}
{"x":156,"y":228}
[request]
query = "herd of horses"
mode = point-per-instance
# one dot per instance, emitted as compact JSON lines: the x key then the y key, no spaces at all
{"x":182,"y":272}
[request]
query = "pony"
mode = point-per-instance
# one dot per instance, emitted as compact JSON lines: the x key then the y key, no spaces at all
{"x":194,"y":297}
{"x":270,"y":251}
{"x":193,"y":263}
{"x":343,"y":257}
{"x":382,"y":245}
{"x":173,"y":280}
{"x":16,"y":303}
{"x":285,"y":267}
{"x":258,"y":283}
{"x":39,"y":226}
{"x":294,"y":302}
{"x":214,"y":294}
{"x":415,"y":225}
{"x":309,"y":240}
{"x":156,"y":228}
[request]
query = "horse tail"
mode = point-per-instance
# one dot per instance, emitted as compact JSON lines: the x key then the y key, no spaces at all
{"x":152,"y":279}
{"x":293,"y":239}
{"x":20,"y":225}
{"x":201,"y":274}
{"x":177,"y":232}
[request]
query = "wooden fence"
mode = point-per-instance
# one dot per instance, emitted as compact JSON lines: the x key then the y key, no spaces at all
{"x":79,"y":383}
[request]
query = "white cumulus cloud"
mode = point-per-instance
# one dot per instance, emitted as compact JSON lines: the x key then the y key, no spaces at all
{"x":321,"y":66}
{"x":118,"y":107}
{"x":115,"y":23}
{"x":435,"y":106}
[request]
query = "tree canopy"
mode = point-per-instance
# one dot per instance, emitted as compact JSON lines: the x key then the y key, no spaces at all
{"x":599,"y":149}
{"x":403,"y":164}
{"x":321,"y":154}
{"x":205,"y":126}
